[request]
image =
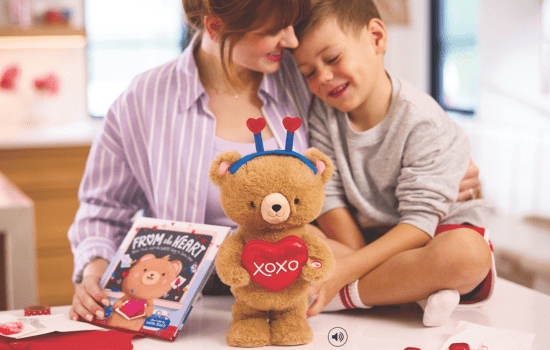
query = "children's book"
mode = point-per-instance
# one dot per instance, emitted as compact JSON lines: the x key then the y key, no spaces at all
{"x":157,"y":274}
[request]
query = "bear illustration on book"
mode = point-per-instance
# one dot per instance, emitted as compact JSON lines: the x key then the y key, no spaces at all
{"x":146,"y":281}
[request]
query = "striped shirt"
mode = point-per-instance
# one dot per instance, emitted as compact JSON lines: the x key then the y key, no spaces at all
{"x":155,"y":149}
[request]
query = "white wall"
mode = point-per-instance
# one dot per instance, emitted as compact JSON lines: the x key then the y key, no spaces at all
{"x":407,"y":55}
{"x":511,"y":72}
{"x":511,"y":131}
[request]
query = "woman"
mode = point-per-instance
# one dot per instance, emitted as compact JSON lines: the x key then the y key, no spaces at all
{"x":161,"y":134}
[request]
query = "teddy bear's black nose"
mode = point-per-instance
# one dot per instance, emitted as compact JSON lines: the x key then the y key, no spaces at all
{"x":276,"y":207}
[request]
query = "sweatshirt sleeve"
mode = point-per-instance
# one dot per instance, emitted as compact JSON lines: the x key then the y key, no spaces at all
{"x":435,"y":159}
{"x":322,"y":131}
{"x":109,"y":196}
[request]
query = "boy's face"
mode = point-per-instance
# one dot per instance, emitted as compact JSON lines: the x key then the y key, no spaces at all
{"x":342,"y":68}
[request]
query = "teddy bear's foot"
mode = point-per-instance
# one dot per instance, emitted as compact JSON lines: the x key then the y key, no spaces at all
{"x":248,"y":333}
{"x":290,"y":331}
{"x":290,"y":327}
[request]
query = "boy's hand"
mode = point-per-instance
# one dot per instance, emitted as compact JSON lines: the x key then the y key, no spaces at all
{"x":326,"y":291}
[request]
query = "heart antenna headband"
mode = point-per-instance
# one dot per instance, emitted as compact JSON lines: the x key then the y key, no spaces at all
{"x":256,"y":126}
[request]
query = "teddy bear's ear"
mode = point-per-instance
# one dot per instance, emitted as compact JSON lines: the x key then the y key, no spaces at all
{"x":220,"y":166}
{"x":177,"y":266}
{"x":322,"y":163}
{"x":147,"y":257}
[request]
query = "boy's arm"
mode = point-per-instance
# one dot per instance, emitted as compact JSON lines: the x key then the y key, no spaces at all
{"x":361,"y":262}
{"x":401,"y":238}
{"x":338,"y":224}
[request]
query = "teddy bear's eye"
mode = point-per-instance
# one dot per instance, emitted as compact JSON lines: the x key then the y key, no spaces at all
{"x":163,"y":274}
{"x":252,"y":204}
{"x":296,"y":201}
{"x":144,"y":270}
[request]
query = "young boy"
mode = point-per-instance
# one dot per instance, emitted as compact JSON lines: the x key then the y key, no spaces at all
{"x":398,"y":159}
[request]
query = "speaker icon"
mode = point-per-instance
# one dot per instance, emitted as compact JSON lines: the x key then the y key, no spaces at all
{"x":337,"y":336}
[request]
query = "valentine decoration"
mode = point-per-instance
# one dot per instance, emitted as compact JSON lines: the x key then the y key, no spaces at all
{"x":275,"y":265}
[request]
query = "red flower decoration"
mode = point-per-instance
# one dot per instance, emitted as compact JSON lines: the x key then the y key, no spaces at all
{"x":10,"y":75}
{"x":48,"y":84}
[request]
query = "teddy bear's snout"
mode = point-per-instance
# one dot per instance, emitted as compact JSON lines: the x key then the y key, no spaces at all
{"x":275,"y":208}
{"x":149,"y":278}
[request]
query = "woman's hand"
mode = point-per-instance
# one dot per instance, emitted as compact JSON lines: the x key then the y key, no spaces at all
{"x":88,"y":295}
{"x":470,"y":186}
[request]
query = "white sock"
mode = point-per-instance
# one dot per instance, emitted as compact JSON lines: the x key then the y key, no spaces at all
{"x":439,"y":306}
{"x":348,"y":298}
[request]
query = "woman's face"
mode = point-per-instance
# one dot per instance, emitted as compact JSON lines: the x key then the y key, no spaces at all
{"x":261,"y":50}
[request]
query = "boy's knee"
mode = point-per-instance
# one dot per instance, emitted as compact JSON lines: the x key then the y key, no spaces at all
{"x":464,"y":257}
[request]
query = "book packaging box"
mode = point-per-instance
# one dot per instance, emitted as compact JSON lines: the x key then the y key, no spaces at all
{"x":157,"y":274}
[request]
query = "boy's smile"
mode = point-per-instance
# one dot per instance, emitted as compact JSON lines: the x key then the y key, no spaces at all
{"x":345,"y":68}
{"x":338,"y":91}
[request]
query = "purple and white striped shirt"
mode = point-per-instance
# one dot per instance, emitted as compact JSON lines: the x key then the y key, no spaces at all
{"x":155,"y":149}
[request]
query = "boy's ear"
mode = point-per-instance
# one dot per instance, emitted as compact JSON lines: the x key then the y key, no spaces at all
{"x":322,"y":163}
{"x":379,"y":35}
{"x":219,"y":170}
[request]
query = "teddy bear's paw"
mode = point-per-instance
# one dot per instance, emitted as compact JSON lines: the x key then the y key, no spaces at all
{"x":311,"y":274}
{"x":249,"y":333}
{"x":292,"y":330}
{"x":235,"y":278}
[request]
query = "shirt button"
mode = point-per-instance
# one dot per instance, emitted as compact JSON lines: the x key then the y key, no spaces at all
{"x":20,"y":345}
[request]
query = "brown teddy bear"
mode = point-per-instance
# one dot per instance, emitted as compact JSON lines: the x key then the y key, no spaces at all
{"x":147,"y":280}
{"x":270,"y":261}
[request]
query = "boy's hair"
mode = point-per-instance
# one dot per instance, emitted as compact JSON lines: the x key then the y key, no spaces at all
{"x":350,"y":14}
{"x":242,"y":16}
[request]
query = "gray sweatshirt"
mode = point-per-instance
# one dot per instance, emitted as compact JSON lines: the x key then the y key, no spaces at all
{"x":406,"y":169}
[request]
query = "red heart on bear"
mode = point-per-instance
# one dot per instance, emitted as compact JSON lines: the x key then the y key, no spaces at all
{"x":292,"y":124}
{"x":275,"y":266}
{"x":255,"y":125}
{"x":133,"y":308}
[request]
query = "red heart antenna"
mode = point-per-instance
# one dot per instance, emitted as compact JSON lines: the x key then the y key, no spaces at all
{"x":255,"y":125}
{"x":292,"y":124}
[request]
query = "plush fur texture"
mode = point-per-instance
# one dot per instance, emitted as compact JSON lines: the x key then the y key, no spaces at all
{"x":260,"y":316}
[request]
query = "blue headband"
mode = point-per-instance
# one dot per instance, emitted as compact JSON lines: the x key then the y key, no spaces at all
{"x":256,"y":126}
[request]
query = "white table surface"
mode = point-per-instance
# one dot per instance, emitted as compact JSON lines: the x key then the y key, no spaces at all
{"x":512,"y":307}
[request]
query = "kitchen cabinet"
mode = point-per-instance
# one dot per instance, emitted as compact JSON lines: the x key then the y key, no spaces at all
{"x":50,"y":176}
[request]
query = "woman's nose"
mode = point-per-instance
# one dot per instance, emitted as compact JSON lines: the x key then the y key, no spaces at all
{"x":289,"y":39}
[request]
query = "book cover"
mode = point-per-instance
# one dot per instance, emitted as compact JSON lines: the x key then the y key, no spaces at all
{"x":157,"y":274}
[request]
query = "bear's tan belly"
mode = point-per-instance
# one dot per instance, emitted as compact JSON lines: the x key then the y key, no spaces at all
{"x":261,"y":298}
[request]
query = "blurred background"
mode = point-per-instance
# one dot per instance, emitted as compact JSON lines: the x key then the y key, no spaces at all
{"x":63,"y":62}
